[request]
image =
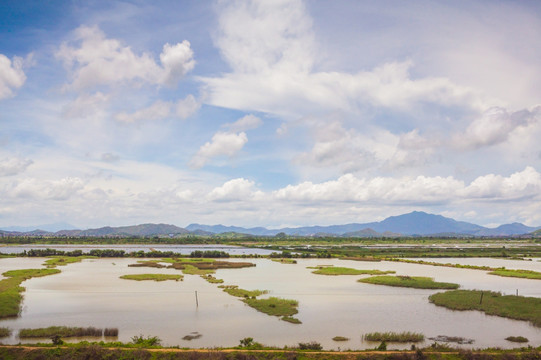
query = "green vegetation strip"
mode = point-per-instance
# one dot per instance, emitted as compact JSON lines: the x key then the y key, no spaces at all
{"x":402,"y":337}
{"x":64,"y":331}
{"x":517,"y":339}
{"x":235,"y":291}
{"x":492,"y":303}
{"x":417,"y":282}
{"x":154,"y":277}
{"x":333,"y":271}
{"x":55,"y":261}
{"x":285,"y":261}
{"x":10,"y":289}
{"x":526,"y":274}
{"x":274,"y":306}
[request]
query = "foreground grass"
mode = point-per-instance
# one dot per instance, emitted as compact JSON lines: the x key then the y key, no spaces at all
{"x":11,"y":291}
{"x":402,"y":337}
{"x":275,"y":307}
{"x":525,"y":274}
{"x":153,"y":277}
{"x":64,"y":331}
{"x":235,"y":291}
{"x":336,"y":270}
{"x":492,"y":303}
{"x":417,"y":282}
{"x":109,"y":351}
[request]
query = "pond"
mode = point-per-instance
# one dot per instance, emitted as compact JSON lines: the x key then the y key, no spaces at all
{"x":90,"y":293}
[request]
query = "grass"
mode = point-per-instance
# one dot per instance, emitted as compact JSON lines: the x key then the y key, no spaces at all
{"x":340,"y":338}
{"x":154,"y":277}
{"x":192,"y":270}
{"x":11,"y":291}
{"x":417,"y":282}
{"x":402,"y":337}
{"x":64,"y":331}
{"x":274,"y":306}
{"x":492,"y":303}
{"x":211,"y":279}
{"x":5,"y":332}
{"x":148,"y":263}
{"x":517,"y":339}
{"x":55,"y":261}
{"x":336,"y":270}
{"x":525,"y":274}
{"x":291,"y":319}
{"x":235,"y":291}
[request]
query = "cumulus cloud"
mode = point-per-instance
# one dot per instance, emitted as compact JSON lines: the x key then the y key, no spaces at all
{"x":235,"y":190}
{"x":12,"y":76}
{"x":273,"y":69}
{"x":415,"y":190}
{"x":95,"y":60}
{"x":222,"y":144}
{"x":61,"y":189}
{"x":184,"y":108}
{"x":495,"y":126}
{"x":13,"y":166}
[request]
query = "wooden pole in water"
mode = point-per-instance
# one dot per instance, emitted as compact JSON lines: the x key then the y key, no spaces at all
{"x":517,"y":292}
{"x":481,"y":300}
{"x":196,"y":300}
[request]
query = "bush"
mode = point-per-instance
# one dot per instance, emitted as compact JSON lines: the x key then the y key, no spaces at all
{"x":310,"y":346}
{"x":148,"y":341}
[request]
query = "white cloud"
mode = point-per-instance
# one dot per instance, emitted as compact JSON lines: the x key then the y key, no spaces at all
{"x":222,"y":143}
{"x":526,"y":183}
{"x":86,"y":105}
{"x":61,"y":189}
{"x":186,"y":107}
{"x":13,"y":166}
{"x":248,"y":122}
{"x":12,"y":76}
{"x":494,"y":127}
{"x":95,"y":60}
{"x":234,"y":190}
{"x":158,"y":110}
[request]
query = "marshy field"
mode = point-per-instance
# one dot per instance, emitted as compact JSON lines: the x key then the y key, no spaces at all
{"x":328,"y":301}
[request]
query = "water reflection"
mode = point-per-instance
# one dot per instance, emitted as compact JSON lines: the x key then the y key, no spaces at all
{"x":90,"y":293}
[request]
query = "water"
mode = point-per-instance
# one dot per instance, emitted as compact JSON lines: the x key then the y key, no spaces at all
{"x":90,"y":293}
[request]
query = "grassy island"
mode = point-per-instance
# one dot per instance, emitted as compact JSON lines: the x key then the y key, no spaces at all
{"x":153,"y":277}
{"x":336,"y":270}
{"x":417,"y":282}
{"x":525,"y":274}
{"x":403,"y":337}
{"x":235,"y":291}
{"x":276,"y":307}
{"x":11,"y":291}
{"x":64,"y":331}
{"x":492,"y":303}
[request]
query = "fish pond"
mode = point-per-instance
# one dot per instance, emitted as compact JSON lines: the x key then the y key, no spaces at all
{"x":91,"y":293}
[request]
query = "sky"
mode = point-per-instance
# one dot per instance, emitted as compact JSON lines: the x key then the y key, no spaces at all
{"x":270,"y":112}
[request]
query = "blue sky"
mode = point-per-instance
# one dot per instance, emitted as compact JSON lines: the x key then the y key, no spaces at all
{"x":269,"y":113}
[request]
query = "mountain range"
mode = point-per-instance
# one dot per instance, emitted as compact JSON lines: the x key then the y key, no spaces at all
{"x":416,"y":223}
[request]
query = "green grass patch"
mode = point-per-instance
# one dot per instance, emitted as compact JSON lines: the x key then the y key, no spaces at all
{"x":11,"y":291}
{"x":336,"y":270}
{"x":291,"y":319}
{"x":235,"y":291}
{"x":55,"y":261}
{"x":64,"y":331}
{"x":5,"y":332}
{"x":417,"y":282}
{"x":153,"y":277}
{"x":525,"y":274}
{"x":211,"y":279}
{"x":192,"y":270}
{"x":274,"y":306}
{"x":492,"y":303}
{"x":402,"y":337}
{"x":340,"y":338}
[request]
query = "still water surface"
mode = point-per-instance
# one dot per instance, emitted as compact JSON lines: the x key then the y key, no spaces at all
{"x":90,"y":293}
